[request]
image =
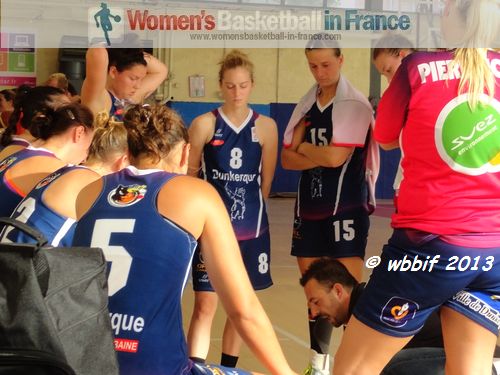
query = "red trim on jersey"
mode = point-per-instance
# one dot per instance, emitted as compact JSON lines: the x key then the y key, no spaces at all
{"x":346,"y":144}
{"x":13,"y":187}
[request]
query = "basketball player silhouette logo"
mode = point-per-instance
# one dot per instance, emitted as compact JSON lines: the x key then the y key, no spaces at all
{"x":103,"y":20}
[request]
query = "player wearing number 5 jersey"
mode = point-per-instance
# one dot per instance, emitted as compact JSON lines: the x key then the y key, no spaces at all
{"x":443,"y":108}
{"x":147,"y":221}
{"x":237,"y":150}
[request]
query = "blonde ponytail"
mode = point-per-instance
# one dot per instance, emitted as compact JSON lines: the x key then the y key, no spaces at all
{"x":477,"y":77}
{"x":480,"y":28}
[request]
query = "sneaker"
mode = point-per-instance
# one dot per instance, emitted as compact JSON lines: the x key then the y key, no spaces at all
{"x":319,"y":364}
{"x":310,"y":371}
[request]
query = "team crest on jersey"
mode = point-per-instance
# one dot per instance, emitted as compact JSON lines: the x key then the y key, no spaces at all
{"x":200,"y":267}
{"x":398,"y":311}
{"x":6,"y":163}
{"x":124,"y":196}
{"x":296,"y":229}
{"x":238,"y":206}
{"x":47,"y":180}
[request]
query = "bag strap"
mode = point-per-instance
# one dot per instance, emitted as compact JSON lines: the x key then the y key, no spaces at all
{"x":39,"y":237}
{"x":40,"y":263}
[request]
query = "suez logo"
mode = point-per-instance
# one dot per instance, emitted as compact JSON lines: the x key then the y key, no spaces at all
{"x":480,"y":127}
{"x":469,"y":141}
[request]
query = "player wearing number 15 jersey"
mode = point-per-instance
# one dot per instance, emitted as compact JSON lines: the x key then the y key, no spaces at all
{"x":147,"y":222}
{"x":328,"y":138}
{"x":236,"y":149}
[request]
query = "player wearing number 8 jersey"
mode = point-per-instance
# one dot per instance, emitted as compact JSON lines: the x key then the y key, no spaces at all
{"x":443,"y":108}
{"x":147,"y":221}
{"x":237,"y":150}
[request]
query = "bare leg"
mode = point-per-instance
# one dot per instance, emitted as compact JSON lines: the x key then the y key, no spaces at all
{"x":304,"y":263}
{"x":231,"y":340}
{"x":198,"y":337}
{"x":469,"y":346}
{"x":365,"y":351}
{"x":354,"y":265}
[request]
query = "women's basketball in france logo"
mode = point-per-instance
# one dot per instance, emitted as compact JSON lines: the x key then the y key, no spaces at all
{"x":469,"y":141}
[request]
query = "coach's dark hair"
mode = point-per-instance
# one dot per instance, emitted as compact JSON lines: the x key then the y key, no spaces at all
{"x":328,"y":271}
{"x":323,"y":41}
{"x":153,"y":131}
{"x":28,"y":103}
{"x":125,"y":58}
{"x":55,"y":122}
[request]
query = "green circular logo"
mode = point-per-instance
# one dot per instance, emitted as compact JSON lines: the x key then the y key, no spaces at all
{"x":469,"y":141}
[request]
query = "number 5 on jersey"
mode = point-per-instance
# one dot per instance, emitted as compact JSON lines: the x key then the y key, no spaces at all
{"x":118,"y":256}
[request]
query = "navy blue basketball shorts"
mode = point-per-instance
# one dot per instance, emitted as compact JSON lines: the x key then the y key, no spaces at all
{"x":256,"y":254}
{"x":202,"y":369}
{"x":419,"y":273}
{"x":338,"y":236}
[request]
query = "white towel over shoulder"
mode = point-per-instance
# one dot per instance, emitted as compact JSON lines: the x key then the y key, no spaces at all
{"x":352,"y":118}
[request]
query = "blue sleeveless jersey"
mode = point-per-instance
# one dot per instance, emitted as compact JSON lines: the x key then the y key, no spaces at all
{"x":57,"y":229}
{"x":232,"y":163}
{"x":16,"y":141}
{"x":117,"y":110}
{"x":10,"y":195}
{"x":149,"y":259}
{"x":323,"y":191}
